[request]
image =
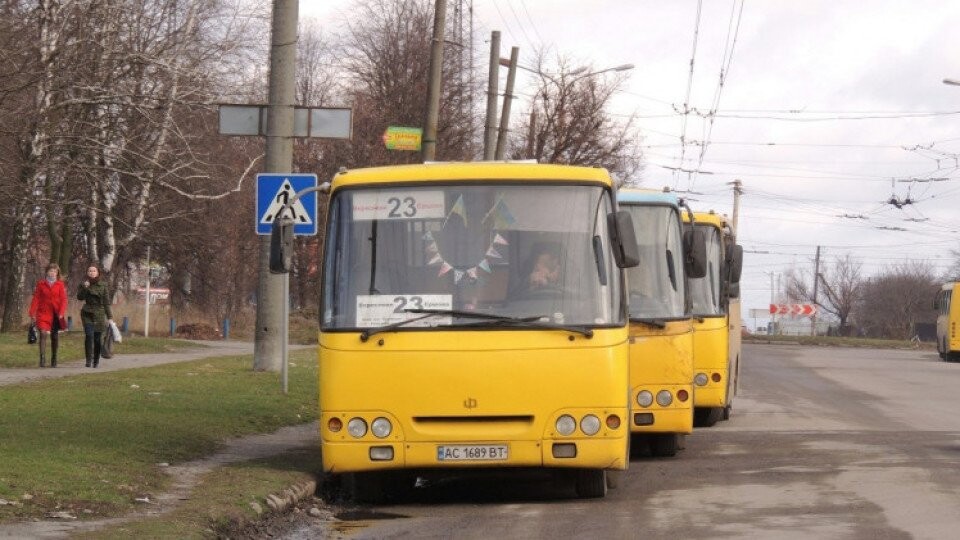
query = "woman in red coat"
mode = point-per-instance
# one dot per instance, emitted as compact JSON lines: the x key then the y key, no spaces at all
{"x":47,"y":311}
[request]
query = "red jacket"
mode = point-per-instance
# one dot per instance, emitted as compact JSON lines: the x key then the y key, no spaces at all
{"x":48,"y":301}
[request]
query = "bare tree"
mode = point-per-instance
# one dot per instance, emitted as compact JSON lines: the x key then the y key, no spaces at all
{"x":839,"y":288}
{"x":570,"y":121}
{"x":898,"y":298}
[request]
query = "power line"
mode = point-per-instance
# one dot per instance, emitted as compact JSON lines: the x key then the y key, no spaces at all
{"x":686,"y":100}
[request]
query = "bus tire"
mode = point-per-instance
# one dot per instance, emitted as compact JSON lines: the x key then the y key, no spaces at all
{"x":665,"y":444}
{"x":591,"y":483}
{"x":725,"y":415}
{"x":706,"y":416}
{"x":370,"y":487}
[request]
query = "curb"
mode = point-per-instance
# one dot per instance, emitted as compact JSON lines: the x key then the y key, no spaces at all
{"x":286,"y":499}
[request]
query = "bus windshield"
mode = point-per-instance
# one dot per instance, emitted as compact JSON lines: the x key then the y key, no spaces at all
{"x":536,"y":252}
{"x":705,"y":291}
{"x":656,"y":286}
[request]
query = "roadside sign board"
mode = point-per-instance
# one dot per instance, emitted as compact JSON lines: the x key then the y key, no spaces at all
{"x":275,"y":190}
{"x":402,"y":138}
{"x":793,"y":310}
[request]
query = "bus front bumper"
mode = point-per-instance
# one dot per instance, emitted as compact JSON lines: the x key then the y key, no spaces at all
{"x":600,"y":453}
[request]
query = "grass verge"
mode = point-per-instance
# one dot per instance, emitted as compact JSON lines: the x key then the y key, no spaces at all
{"x":226,"y":493}
{"x":90,"y":444}
{"x":834,"y":341}
{"x":15,"y":353}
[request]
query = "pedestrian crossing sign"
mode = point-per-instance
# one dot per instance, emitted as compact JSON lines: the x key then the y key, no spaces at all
{"x":276,"y":190}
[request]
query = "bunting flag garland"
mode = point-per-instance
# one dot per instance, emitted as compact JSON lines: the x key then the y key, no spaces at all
{"x":472,"y":273}
{"x":502,"y":217}
{"x":485,"y":266}
{"x":497,"y":239}
{"x":493,"y":253}
{"x":457,"y":275}
{"x":428,"y":237}
{"x":437,"y":259}
{"x":459,"y":209}
{"x":432,"y":247}
{"x":444,"y":268}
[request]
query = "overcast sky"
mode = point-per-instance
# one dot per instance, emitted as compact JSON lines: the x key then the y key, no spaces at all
{"x":793,"y":121}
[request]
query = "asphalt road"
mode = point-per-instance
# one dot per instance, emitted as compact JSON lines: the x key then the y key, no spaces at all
{"x":823,"y":443}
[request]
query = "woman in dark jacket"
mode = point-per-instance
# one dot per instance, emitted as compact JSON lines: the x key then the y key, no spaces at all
{"x":95,"y":313}
{"x":47,"y":310}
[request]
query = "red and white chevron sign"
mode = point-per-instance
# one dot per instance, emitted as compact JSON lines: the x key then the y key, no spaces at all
{"x":793,"y":310}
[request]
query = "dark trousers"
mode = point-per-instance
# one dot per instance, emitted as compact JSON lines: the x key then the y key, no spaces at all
{"x":91,"y":345}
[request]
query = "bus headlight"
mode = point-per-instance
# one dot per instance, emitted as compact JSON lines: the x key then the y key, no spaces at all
{"x":590,"y":424}
{"x":644,"y":398}
{"x":566,"y":425}
{"x":700,"y":379}
{"x":381,"y":427}
{"x":664,"y":398}
{"x":357,"y":427}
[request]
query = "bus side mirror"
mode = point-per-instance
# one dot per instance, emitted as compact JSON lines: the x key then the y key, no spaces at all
{"x":626,"y":251}
{"x":735,"y":260}
{"x":695,"y":252}
{"x":281,"y":246}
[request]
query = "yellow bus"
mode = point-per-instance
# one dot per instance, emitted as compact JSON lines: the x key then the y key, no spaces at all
{"x":717,"y":324}
{"x":661,"y":328}
{"x":948,"y":313}
{"x":473,"y":315}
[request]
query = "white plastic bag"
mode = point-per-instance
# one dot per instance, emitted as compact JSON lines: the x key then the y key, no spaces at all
{"x":116,"y":332}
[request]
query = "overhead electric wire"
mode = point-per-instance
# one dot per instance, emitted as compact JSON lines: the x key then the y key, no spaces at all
{"x":686,"y":100}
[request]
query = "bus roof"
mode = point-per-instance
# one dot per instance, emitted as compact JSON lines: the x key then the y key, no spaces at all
{"x":646,"y":196}
{"x":950,"y":285}
{"x":707,"y":218}
{"x":479,"y":170}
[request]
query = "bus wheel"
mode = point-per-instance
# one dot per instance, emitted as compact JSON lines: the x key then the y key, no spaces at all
{"x":665,"y":444}
{"x":726,"y":412}
{"x":373,"y":487}
{"x":706,"y":416}
{"x":591,"y":483}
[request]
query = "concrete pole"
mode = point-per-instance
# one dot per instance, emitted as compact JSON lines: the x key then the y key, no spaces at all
{"x":146,"y":302}
{"x":507,"y":100}
{"x":490,"y":128}
{"x":268,"y":346}
{"x":816,"y":282}
{"x":737,"y":191}
{"x":429,"y":151}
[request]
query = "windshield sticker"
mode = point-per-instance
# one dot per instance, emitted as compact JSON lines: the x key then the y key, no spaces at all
{"x":392,"y":205}
{"x":382,"y":309}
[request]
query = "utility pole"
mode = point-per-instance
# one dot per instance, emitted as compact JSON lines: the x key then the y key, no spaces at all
{"x":737,"y":191}
{"x":433,"y":90}
{"x":490,"y":128}
{"x":816,"y":281}
{"x":268,"y":338}
{"x":507,"y":99}
{"x":146,"y":302}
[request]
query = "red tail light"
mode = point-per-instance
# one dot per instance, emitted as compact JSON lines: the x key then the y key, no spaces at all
{"x":682,"y":395}
{"x":334,"y":424}
{"x":715,"y":377}
{"x":613,"y":421}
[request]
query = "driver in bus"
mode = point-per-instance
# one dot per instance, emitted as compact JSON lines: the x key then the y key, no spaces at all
{"x":546,"y":271}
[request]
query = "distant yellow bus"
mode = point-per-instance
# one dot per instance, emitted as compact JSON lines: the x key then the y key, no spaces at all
{"x":717,"y":324}
{"x":948,"y":314}
{"x":472,"y":316}
{"x":661,"y":328}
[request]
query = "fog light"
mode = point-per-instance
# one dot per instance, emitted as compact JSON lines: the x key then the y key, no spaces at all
{"x":682,"y":395}
{"x":715,"y":377}
{"x":564,"y":450}
{"x":664,"y":398}
{"x":643,"y":419}
{"x":700,"y":379}
{"x":566,"y":425}
{"x":644,"y":398}
{"x":381,"y":453}
{"x":590,"y":424}
{"x":357,"y":427}
{"x":613,"y":421}
{"x":381,"y":427}
{"x":335,"y":425}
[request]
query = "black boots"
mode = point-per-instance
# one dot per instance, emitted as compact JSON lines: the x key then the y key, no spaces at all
{"x":43,"y":349}
{"x":54,"y":342}
{"x":88,"y":349}
{"x":97,"y":340}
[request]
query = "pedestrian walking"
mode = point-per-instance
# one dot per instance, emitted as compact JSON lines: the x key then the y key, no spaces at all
{"x":95,"y":314}
{"x":47,"y":309}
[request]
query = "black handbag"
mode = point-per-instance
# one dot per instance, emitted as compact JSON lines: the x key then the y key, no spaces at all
{"x":32,"y":334}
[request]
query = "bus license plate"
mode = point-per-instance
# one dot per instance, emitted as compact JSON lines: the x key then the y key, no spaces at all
{"x":472,"y":452}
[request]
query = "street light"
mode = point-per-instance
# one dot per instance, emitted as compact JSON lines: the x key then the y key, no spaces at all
{"x":578,"y":71}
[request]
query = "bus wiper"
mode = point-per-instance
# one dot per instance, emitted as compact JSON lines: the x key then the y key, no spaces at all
{"x":532,"y":321}
{"x":656,"y":323}
{"x":365,"y":335}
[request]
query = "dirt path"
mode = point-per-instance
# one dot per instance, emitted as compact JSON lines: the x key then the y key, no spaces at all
{"x":128,"y":361}
{"x":185,"y":477}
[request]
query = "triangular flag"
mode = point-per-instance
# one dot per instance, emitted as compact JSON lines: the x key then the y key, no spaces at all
{"x":502,"y":218}
{"x":457,"y":275}
{"x":493,"y":253}
{"x":432,"y":247}
{"x":472,"y":273}
{"x":444,"y":268}
{"x":485,"y":266}
{"x":497,"y":239}
{"x":437,"y":259}
{"x":429,"y":236}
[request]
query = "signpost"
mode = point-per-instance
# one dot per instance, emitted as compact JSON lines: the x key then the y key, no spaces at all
{"x":276,"y":190}
{"x":793,"y":310}
{"x":402,"y":138}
